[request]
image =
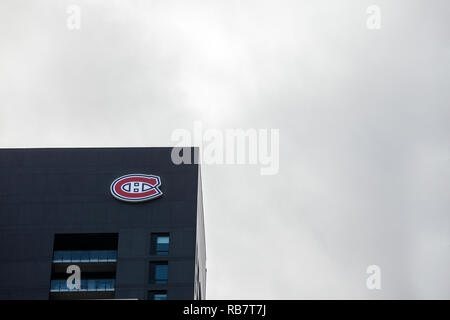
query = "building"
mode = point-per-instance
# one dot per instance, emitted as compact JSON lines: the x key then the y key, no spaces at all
{"x":74,"y":217}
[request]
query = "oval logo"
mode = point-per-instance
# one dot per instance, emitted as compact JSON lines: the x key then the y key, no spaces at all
{"x":136,"y":187}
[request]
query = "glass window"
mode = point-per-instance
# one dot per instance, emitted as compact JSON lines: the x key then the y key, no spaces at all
{"x":59,"y":285}
{"x":67,"y":256}
{"x":84,"y":285}
{"x":93,"y":256}
{"x":159,"y":272}
{"x":112,"y":256}
{"x":160,"y":296}
{"x":63,"y":285}
{"x":91,"y":285}
{"x":157,"y":295}
{"x":101,"y":285}
{"x":160,"y":244}
{"x":109,"y":284}
{"x":84,"y":256}
{"x":54,"y":285}
{"x":58,"y":256}
{"x":102,"y":256}
{"x":76,"y":256}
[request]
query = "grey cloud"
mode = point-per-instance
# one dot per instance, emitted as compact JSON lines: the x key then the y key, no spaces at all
{"x":363,"y":118}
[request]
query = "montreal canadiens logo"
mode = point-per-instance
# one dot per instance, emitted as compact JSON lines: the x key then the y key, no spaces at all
{"x":136,"y":187}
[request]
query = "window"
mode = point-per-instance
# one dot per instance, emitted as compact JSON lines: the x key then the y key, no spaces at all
{"x":159,"y":272}
{"x":95,"y":254}
{"x":157,"y":295}
{"x":70,"y":256}
{"x":60,"y":285}
{"x":160,"y":244}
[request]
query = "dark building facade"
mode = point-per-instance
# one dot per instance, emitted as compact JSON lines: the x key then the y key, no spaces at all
{"x":71,"y":227}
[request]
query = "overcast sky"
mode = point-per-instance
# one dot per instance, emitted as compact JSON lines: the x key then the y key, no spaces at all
{"x":363,"y":118}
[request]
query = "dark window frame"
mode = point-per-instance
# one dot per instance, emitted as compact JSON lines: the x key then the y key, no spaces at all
{"x":154,"y":249}
{"x":153,"y":272}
